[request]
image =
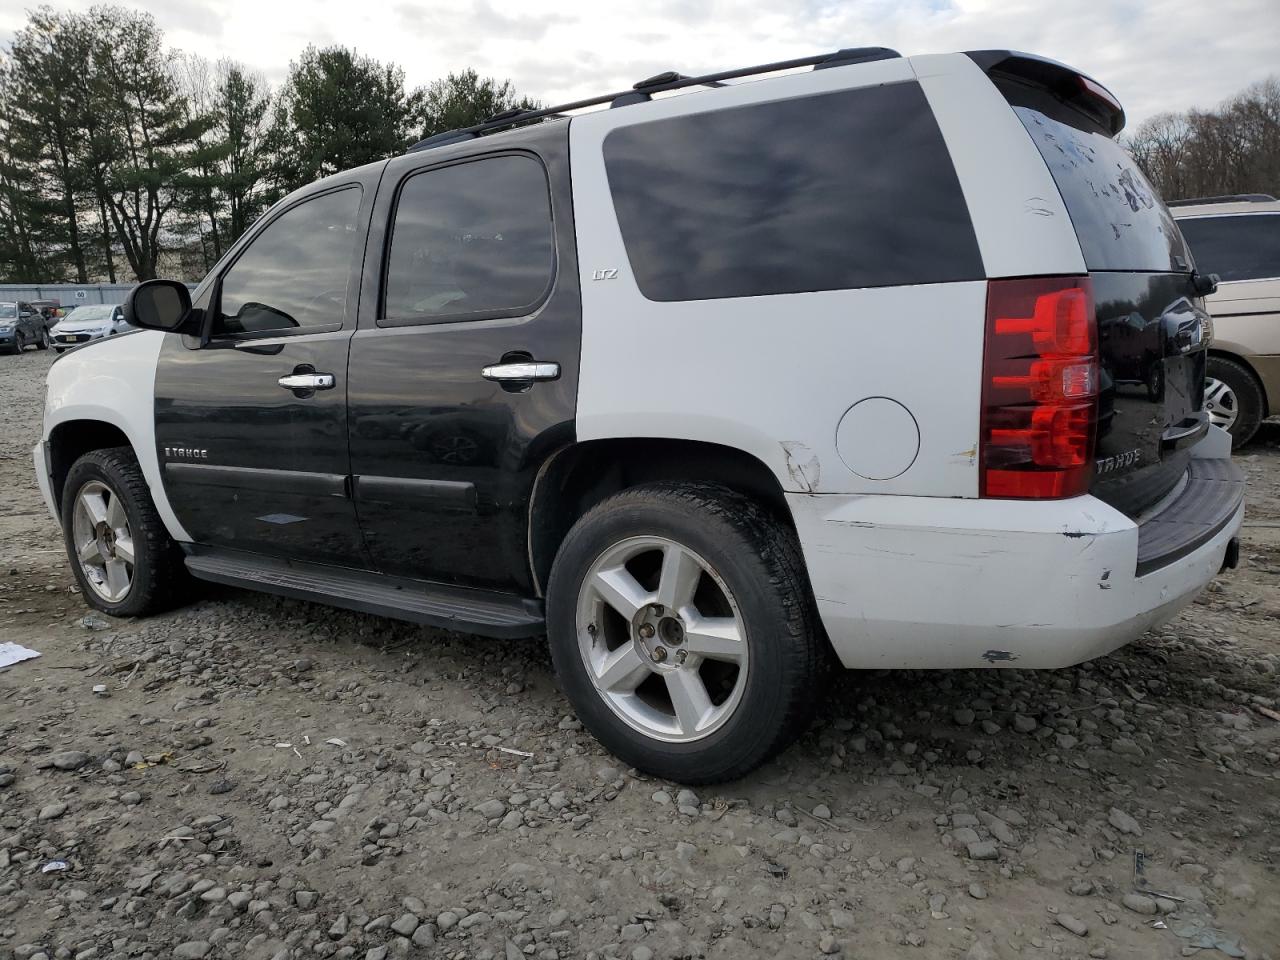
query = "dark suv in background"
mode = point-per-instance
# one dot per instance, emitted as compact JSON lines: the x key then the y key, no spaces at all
{"x":21,"y":325}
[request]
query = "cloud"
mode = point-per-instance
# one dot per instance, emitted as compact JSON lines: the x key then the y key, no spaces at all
{"x":1156,"y":55}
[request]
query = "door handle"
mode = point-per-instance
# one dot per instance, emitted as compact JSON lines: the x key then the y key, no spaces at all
{"x":307,"y":381}
{"x":530,"y":370}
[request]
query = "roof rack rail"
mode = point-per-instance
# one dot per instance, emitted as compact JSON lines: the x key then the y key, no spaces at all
{"x":640,"y":92}
{"x":643,"y":90}
{"x":1225,"y":198}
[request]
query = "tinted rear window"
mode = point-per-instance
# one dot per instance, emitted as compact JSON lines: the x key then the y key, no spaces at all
{"x":1119,"y":218}
{"x":471,"y":240}
{"x":1235,"y":248}
{"x":841,"y":190}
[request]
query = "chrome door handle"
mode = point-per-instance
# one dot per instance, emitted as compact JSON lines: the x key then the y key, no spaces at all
{"x":522,"y":371}
{"x":307,"y":381}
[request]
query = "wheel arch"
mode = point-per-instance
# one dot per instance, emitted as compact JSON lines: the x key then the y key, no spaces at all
{"x":579,"y":476}
{"x":1241,"y":359}
{"x":72,"y":439}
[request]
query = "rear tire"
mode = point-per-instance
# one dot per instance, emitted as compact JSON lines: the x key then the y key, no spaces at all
{"x":737,"y":642}
{"x":1234,"y":399}
{"x":120,"y":552}
{"x":43,"y":342}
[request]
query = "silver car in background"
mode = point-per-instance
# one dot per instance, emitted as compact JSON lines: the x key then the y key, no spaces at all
{"x":90,"y":322}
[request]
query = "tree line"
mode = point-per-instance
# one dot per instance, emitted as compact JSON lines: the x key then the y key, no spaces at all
{"x":123,"y":159}
{"x":1234,"y":148}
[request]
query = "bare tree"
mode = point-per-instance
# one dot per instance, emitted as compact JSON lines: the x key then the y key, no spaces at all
{"x":1234,"y":148}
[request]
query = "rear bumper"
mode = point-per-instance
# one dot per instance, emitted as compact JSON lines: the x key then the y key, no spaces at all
{"x":914,"y":582}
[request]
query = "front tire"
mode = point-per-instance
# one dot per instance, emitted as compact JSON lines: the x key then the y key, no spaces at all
{"x":121,"y":554}
{"x":683,"y":631}
{"x":1234,"y":399}
{"x":43,"y":342}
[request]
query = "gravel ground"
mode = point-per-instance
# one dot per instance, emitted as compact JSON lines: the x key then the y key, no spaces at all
{"x":270,"y":779}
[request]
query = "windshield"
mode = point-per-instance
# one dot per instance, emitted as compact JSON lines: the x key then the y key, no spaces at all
{"x":8,"y":310}
{"x":93,"y":312}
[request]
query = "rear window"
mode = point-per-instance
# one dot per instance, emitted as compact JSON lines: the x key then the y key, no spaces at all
{"x":842,"y":190}
{"x":1120,"y":220}
{"x":1245,"y":247}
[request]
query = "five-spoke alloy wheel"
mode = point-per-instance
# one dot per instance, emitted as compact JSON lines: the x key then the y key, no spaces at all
{"x":683,"y":630}
{"x":662,"y":638}
{"x":103,"y":541}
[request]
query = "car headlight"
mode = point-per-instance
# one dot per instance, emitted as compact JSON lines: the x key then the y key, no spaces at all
{"x":6,"y":327}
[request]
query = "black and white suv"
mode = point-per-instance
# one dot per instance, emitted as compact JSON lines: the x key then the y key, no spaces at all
{"x":896,"y":362}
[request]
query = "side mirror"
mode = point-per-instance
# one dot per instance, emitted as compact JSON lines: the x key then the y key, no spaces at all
{"x":1204,"y":283}
{"x":158,"y":305}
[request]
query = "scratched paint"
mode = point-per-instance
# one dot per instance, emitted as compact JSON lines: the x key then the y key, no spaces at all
{"x":802,"y":465}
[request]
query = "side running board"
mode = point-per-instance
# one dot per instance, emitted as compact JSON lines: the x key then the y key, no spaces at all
{"x":438,"y":605}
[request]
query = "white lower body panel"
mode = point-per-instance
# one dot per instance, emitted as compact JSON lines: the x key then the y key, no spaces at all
{"x":917,"y":582}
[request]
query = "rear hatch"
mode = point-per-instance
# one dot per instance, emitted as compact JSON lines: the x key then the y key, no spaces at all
{"x":1152,"y":328}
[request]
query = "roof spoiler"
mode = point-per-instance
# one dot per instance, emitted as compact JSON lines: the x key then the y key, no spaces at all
{"x":1053,"y":88}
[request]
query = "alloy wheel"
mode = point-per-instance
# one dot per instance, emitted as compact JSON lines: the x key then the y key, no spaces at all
{"x":1220,"y":403}
{"x":103,"y":541}
{"x":662,"y":639}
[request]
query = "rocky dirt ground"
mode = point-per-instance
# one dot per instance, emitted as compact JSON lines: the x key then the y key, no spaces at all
{"x":271,"y":779}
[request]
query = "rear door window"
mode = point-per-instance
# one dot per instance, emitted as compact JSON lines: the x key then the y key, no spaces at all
{"x":829,"y":192}
{"x":1244,"y":247}
{"x":471,"y":241}
{"x":1120,"y":220}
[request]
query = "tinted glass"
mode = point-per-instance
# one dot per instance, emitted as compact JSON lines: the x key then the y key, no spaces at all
{"x":1235,"y":248}
{"x":848,"y":189}
{"x":1120,"y":220}
{"x":470,"y":240}
{"x":294,"y":273}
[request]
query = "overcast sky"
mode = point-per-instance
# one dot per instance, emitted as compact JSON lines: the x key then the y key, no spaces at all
{"x":1155,"y":55}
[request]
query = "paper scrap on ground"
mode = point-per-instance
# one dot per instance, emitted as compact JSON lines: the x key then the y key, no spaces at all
{"x":11,"y":653}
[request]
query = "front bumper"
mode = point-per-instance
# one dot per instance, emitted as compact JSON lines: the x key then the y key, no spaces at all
{"x":44,"y":476}
{"x":915,"y":582}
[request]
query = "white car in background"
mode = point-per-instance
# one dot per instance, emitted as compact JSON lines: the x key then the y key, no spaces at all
{"x":90,"y":322}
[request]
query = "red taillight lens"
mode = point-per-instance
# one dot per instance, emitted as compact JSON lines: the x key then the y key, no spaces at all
{"x":1039,"y":388}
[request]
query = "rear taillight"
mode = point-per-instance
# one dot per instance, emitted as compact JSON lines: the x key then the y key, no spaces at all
{"x":1039,"y":388}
